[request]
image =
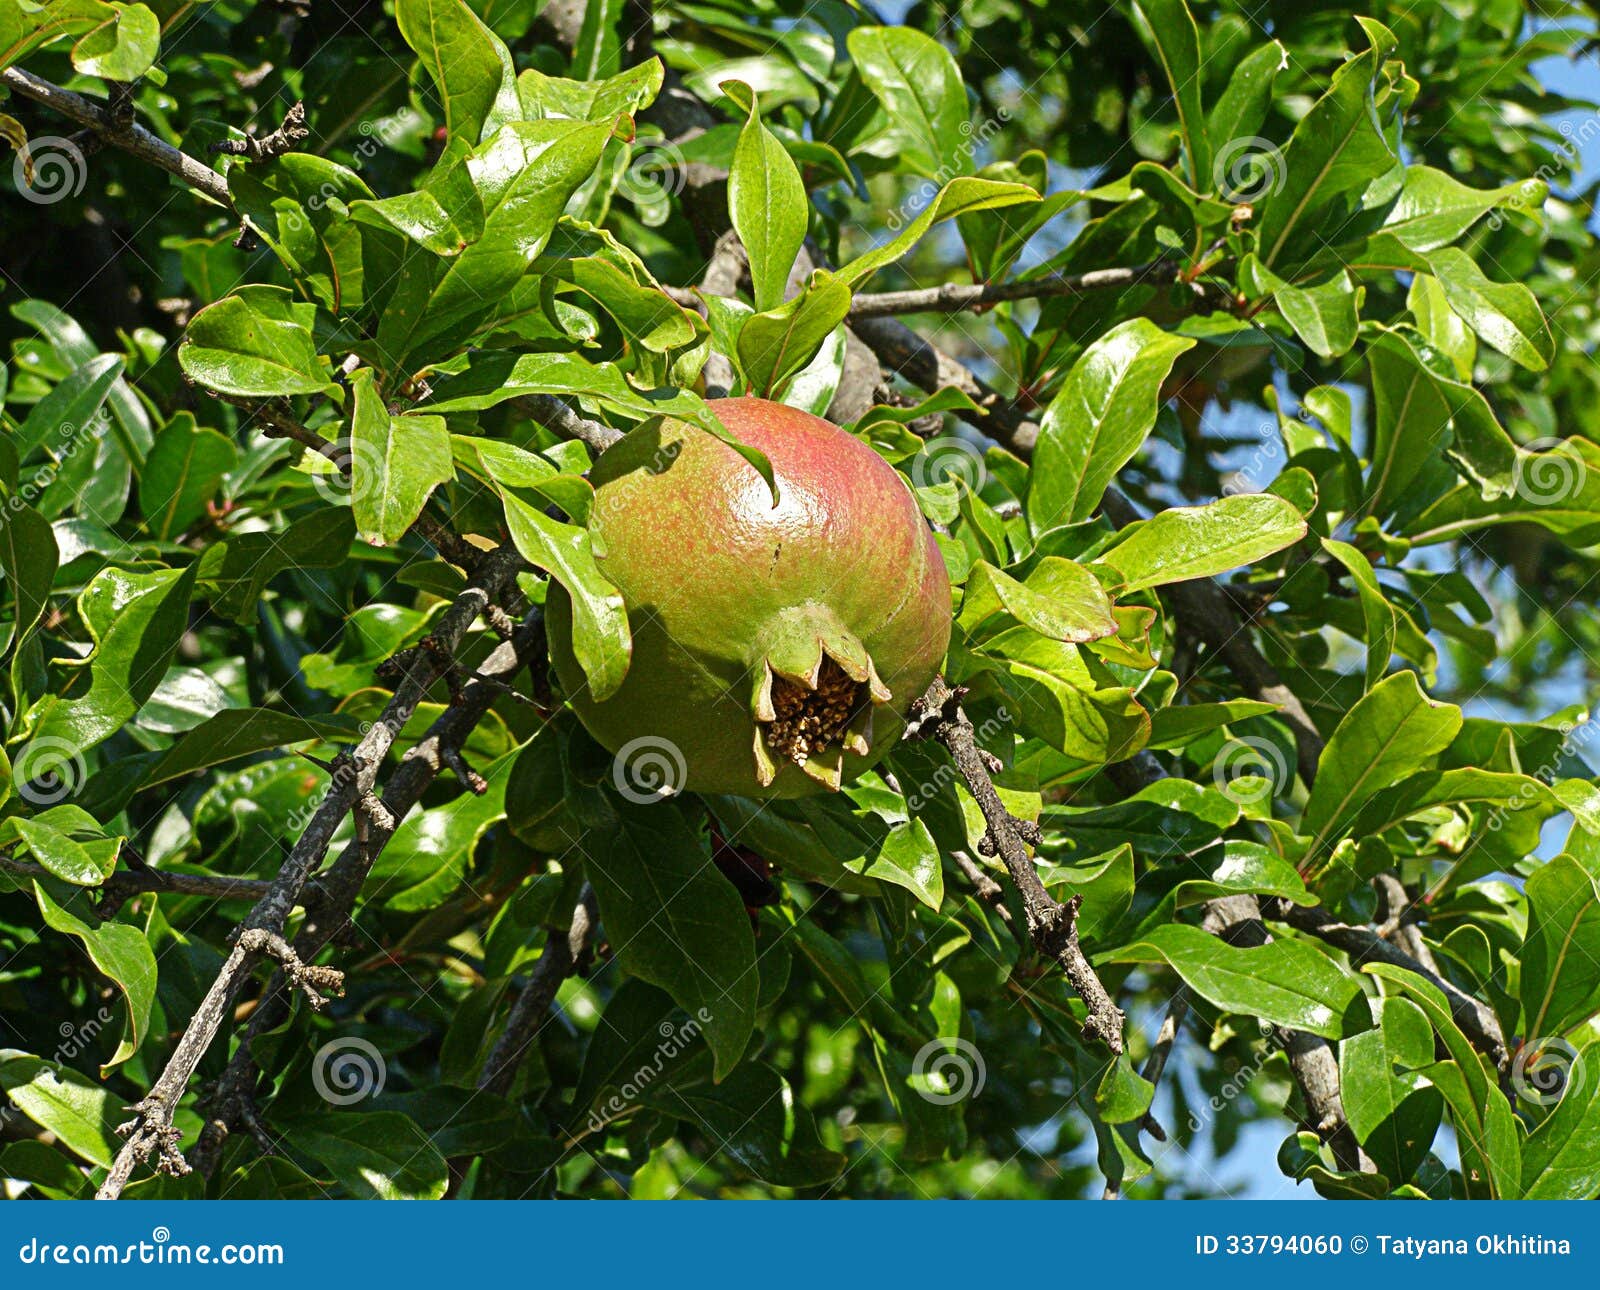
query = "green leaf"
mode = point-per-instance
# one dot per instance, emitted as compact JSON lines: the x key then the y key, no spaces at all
{"x":1419,"y":411}
{"x":256,"y":343}
{"x":919,"y":85}
{"x":639,"y":1028}
{"x":1325,"y":316}
{"x":1337,"y":150}
{"x":1485,"y":1127}
{"x":136,"y":621}
{"x":766,"y":200}
{"x":1557,"y":487}
{"x":395,"y":464}
{"x":122,"y":46}
{"x":1061,"y":600}
{"x":961,"y":196}
{"x":73,"y":404}
{"x":1505,"y":314}
{"x":239,"y":732}
{"x":601,"y":638}
{"x":493,"y":377}
{"x":1236,"y":117}
{"x":1287,"y":983}
{"x":28,"y":558}
{"x":431,"y":851}
{"x":123,"y":954}
{"x":1559,"y":984}
{"x":624,"y":94}
{"x":677,"y":923}
{"x":238,"y":570}
{"x":774,"y":345}
{"x":1392,"y":1110}
{"x":754,"y":1118}
{"x":1123,"y":1095}
{"x":63,"y":855}
{"x":1440,"y":325}
{"x":1180,"y":724}
{"x":374,"y":1155}
{"x":1561,"y":1158}
{"x":1376,"y":612}
{"x":1098,"y":419}
{"x":1386,"y":735}
{"x":1176,"y":42}
{"x":1506,"y":790}
{"x":183,"y":473}
{"x":470,"y":68}
{"x":1186,"y":542}
{"x":1434,"y":209}
{"x":524,"y":175}
{"x":82,"y":1115}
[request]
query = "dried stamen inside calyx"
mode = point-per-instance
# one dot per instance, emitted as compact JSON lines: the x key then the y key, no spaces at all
{"x":808,"y":721}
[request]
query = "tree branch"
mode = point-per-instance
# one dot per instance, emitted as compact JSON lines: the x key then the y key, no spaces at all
{"x":564,"y":954}
{"x":954,"y":297}
{"x":559,"y":418}
{"x":232,"y":1102}
{"x":1237,"y":920}
{"x":1052,"y":926}
{"x":151,"y":1133}
{"x":1476,"y":1019}
{"x":121,"y":133}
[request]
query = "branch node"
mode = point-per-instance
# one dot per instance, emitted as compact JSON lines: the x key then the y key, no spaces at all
{"x":284,"y":139}
{"x":317,"y":983}
{"x":473,"y":782}
{"x":150,"y":1133}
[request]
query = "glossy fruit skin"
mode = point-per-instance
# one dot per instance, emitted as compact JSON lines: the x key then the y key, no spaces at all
{"x":720,"y":585}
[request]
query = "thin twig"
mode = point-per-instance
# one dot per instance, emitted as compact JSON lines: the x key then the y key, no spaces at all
{"x":231,"y":1103}
{"x":284,"y":139}
{"x":954,"y":297}
{"x":1476,"y":1019}
{"x":151,"y":1133}
{"x":564,"y":955}
{"x":1053,"y":926}
{"x":555,"y":415}
{"x":120,"y":132}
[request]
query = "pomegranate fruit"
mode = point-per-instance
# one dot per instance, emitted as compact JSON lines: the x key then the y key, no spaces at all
{"x":776,"y":649}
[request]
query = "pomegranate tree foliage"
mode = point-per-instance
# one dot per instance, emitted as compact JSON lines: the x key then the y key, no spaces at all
{"x":1271,"y":564}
